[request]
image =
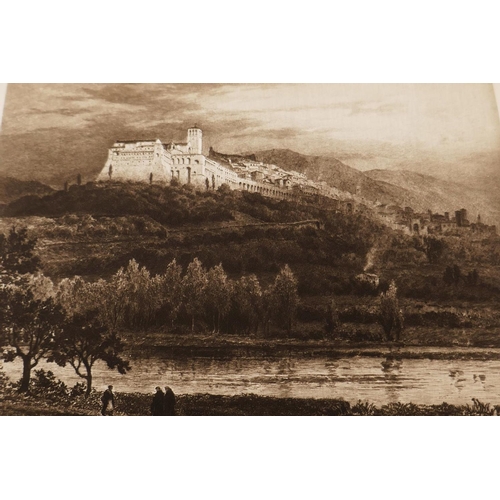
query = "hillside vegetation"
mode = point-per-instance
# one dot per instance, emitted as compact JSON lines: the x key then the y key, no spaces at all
{"x":153,"y":224}
{"x":447,"y":283}
{"x":12,"y":189}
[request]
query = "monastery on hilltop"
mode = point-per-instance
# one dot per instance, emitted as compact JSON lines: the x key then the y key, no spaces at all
{"x":155,"y":162}
{"x":152,"y":161}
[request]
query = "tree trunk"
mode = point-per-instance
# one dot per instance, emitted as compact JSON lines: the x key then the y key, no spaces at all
{"x":25,"y":381}
{"x":89,"y":383}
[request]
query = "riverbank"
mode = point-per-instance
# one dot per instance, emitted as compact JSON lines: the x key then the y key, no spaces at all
{"x":133,"y":404}
{"x":210,"y":345}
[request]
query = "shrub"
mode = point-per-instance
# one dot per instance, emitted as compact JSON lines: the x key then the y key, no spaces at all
{"x":78,"y":390}
{"x":309,"y":314}
{"x":44,"y":383}
{"x":4,"y":381}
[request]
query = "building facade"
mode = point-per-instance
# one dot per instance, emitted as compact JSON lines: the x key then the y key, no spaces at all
{"x":153,"y":161}
{"x":156,"y":162}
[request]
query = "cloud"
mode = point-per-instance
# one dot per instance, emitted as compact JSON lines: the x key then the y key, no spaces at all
{"x":54,"y":130}
{"x":376,"y":107}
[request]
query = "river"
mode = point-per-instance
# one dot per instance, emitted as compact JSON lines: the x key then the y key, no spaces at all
{"x":378,"y":380}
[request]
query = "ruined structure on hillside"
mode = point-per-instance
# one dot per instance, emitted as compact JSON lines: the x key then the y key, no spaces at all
{"x":425,"y":223}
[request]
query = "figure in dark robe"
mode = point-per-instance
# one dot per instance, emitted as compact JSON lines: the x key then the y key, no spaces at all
{"x":158,"y":403}
{"x":169,"y":407}
{"x":108,"y":401}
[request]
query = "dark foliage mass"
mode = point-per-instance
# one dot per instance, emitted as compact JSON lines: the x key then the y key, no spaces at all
{"x":100,"y":228}
{"x":17,"y":252}
{"x":168,"y":205}
{"x":54,"y":398}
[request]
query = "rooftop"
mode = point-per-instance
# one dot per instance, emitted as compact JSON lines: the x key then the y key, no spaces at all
{"x":133,"y":142}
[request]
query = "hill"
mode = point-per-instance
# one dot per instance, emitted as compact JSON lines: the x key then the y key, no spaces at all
{"x":11,"y":189}
{"x":92,"y":230}
{"x":404,"y":188}
{"x":440,"y":195}
{"x":95,"y":229}
{"x":172,"y":206}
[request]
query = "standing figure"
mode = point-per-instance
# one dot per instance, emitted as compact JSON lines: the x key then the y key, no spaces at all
{"x":108,"y":401}
{"x":169,"y":408}
{"x":158,"y":403}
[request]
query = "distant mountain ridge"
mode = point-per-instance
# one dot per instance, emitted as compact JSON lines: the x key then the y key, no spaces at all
{"x":391,"y":187}
{"x":438,"y":194}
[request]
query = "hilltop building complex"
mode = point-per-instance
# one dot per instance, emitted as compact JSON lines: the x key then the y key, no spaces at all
{"x":153,"y":161}
{"x":156,"y":162}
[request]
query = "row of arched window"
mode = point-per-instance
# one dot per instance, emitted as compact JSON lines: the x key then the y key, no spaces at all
{"x":183,"y":160}
{"x":266,"y":191}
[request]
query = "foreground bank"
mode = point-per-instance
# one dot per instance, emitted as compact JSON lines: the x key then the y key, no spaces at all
{"x":134,"y":404}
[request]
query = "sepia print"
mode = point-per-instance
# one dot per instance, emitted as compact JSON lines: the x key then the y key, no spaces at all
{"x":249,"y":249}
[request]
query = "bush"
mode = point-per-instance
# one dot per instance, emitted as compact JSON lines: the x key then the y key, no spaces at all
{"x":78,"y":390}
{"x":358,"y":314}
{"x":309,"y":314}
{"x":4,"y":381}
{"x":344,"y":333}
{"x":44,"y":383}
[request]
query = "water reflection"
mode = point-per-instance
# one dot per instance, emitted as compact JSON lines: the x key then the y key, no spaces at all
{"x":375,"y":379}
{"x":391,"y":367}
{"x":459,"y":380}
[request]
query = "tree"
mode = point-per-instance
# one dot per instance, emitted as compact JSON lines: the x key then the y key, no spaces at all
{"x":79,"y":179}
{"x":29,"y":328}
{"x":472,"y":278}
{"x":138,"y":291}
{"x":434,"y":249}
{"x":218,"y":295}
{"x":73,"y":295}
{"x":170,"y":291}
{"x":129,"y":298}
{"x":247,"y":299}
{"x":224,"y":189}
{"x":448,"y":276}
{"x":83,"y":341}
{"x":17,"y":252}
{"x":332,"y":318}
{"x":41,"y":286}
{"x":194,"y":283}
{"x":390,"y":315}
{"x":452,"y":275}
{"x":284,"y":298}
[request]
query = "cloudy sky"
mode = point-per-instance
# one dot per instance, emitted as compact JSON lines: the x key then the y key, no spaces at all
{"x":51,"y":132}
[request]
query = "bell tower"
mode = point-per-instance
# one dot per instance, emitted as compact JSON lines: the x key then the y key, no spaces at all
{"x":195,"y":140}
